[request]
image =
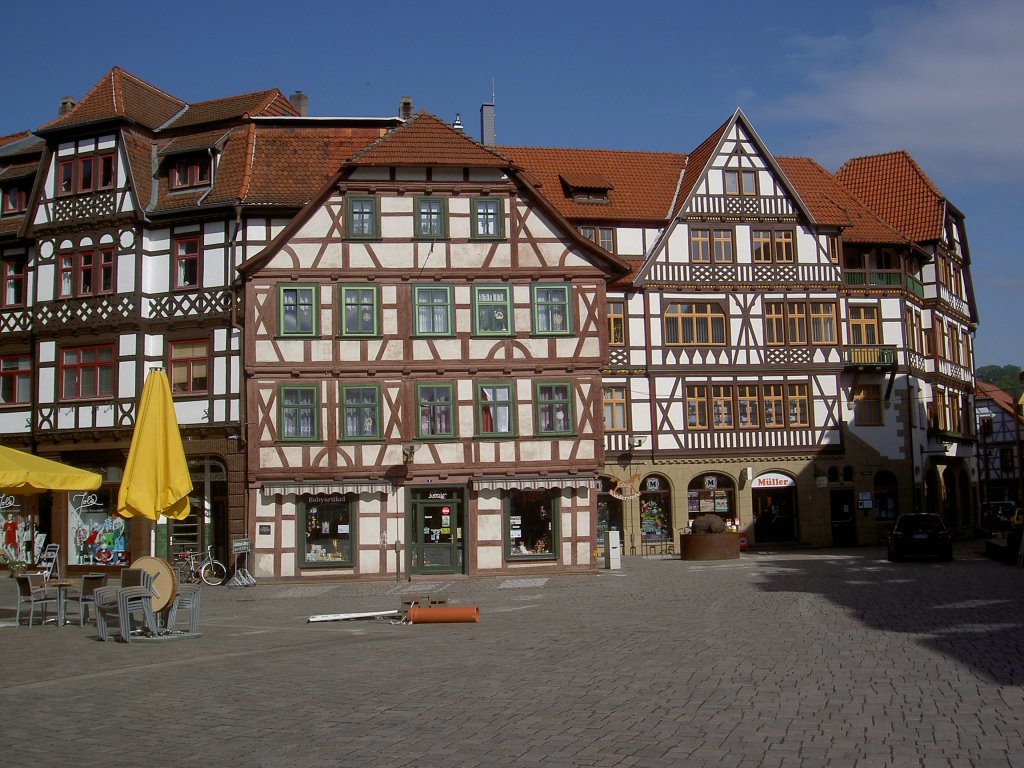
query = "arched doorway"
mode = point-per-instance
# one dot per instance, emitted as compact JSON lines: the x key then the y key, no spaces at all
{"x":966,"y":501}
{"x":655,"y":514}
{"x":774,"y":498}
{"x":609,"y":508}
{"x":713,"y":493}
{"x":207,"y":520}
{"x":951,"y":487}
{"x":886,"y":497}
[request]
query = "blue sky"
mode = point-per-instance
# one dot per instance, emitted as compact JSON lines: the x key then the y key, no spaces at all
{"x":830,"y":81}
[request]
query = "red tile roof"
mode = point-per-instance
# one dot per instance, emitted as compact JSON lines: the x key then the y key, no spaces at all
{"x":120,"y":95}
{"x":425,"y":140}
{"x":697,"y":162}
{"x":1003,"y":400}
{"x":267,"y":103}
{"x":893,"y":185}
{"x":12,"y":138}
{"x":642,"y":184}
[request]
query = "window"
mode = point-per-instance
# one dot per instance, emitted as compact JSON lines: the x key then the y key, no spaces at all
{"x":86,"y":273}
{"x":697,"y":407}
{"x":531,"y":524}
{"x":867,"y":405}
{"x":615,"y":409}
{"x":189,"y":171}
{"x":492,"y":310}
{"x":711,"y":244}
{"x":186,"y":262}
{"x":15,"y":379}
{"x":361,"y":413}
{"x":433,"y":310}
{"x":774,"y":413}
{"x":12,"y":283}
{"x":796,"y":323}
{"x":14,"y":199}
{"x":298,"y":310}
{"x":361,"y":219}
{"x":487,"y":217}
{"x":431,"y":217}
{"x":327,"y":526}
{"x":85,"y":173}
{"x":360,"y":310}
{"x":616,"y":323}
{"x":551,"y":309}
{"x":863,"y":325}
{"x":189,"y":363}
{"x":740,"y":182}
{"x":434,"y":404}
{"x":603,"y":236}
{"x":748,"y":406}
{"x":299,"y":408}
{"x":693,"y":324}
{"x":823,"y":322}
{"x":495,"y":409}
{"x":768,"y":245}
{"x":87,"y":372}
{"x":554,"y":409}
{"x":775,"y":323}
{"x":799,"y":415}
{"x":721,"y":406}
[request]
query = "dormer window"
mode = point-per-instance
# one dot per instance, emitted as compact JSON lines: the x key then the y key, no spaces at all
{"x":583,"y":187}
{"x":86,"y":173}
{"x":15,"y":199}
{"x":189,"y":171}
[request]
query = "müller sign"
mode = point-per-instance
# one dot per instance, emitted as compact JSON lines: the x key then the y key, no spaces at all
{"x":773,"y":480}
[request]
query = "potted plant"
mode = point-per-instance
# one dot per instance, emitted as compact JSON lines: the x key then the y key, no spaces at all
{"x":15,"y":565}
{"x":709,"y":539}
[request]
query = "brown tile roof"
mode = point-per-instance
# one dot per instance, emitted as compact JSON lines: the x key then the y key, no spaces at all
{"x":425,"y":140}
{"x":12,"y":138}
{"x":18,"y":170}
{"x":193,"y":142}
{"x":897,"y":189}
{"x":120,"y":95}
{"x":985,"y":391}
{"x":697,"y":161}
{"x":268,"y":103}
{"x":140,"y":165}
{"x":642,"y":184}
{"x":831,"y":204}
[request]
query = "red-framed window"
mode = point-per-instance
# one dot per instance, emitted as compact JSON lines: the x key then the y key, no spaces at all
{"x":15,"y":379}
{"x":86,"y":173}
{"x":189,"y":366}
{"x":87,"y":372}
{"x":185,"y":251}
{"x":85,"y":273}
{"x":12,"y":283}
{"x":14,"y":199}
{"x":189,"y":171}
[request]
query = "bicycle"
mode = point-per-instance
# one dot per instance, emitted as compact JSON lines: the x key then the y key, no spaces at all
{"x":191,"y":567}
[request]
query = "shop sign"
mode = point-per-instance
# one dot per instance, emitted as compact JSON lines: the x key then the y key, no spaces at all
{"x":773,"y":480}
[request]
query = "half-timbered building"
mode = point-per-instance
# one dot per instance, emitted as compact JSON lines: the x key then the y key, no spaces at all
{"x":999,"y":445}
{"x":424,"y":348}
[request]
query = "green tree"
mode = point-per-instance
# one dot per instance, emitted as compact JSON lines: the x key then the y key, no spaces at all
{"x":1006,"y":377}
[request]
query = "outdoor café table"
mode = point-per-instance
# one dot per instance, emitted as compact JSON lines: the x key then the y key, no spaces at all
{"x":62,"y":588}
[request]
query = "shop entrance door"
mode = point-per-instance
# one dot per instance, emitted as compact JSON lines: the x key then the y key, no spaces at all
{"x":436,"y":541}
{"x":844,"y":522}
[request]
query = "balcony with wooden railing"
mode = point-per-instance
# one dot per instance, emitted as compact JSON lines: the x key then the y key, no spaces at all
{"x":870,"y":357}
{"x":883,"y":278}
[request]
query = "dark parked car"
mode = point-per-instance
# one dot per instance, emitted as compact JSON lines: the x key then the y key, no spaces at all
{"x":920,"y":535}
{"x":998,"y":515}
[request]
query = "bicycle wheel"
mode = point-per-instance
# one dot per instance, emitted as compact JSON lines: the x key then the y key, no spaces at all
{"x":184,"y":574}
{"x":213,"y":573}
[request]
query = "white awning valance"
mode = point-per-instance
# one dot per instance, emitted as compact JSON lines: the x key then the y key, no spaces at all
{"x":324,"y":489}
{"x":534,"y":483}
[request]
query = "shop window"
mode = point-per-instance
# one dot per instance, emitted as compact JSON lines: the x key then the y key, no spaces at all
{"x":655,"y":511}
{"x":531,"y":524}
{"x":609,"y":510}
{"x":712,"y":494}
{"x":97,"y":535}
{"x":492,"y":310}
{"x":327,"y":529}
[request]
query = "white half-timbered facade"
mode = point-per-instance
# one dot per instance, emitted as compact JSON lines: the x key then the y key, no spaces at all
{"x":424,"y":349}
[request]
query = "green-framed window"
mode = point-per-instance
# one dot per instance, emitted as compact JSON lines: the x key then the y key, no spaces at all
{"x":327,"y":527}
{"x":297,"y":305}
{"x":492,"y":310}
{"x":488,"y":217}
{"x":431,"y":215}
{"x":360,"y":417}
{"x":432,"y":308}
{"x":360,"y":310}
{"x":554,"y":408}
{"x":435,"y":406}
{"x":362,"y":217}
{"x":551,"y":310}
{"x":299,"y":409}
{"x":531,"y":524}
{"x":495,"y":409}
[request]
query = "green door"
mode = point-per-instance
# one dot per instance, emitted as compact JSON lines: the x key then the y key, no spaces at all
{"x":436,"y":536}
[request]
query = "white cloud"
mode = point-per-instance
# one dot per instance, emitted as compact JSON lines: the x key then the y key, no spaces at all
{"x":941,"y":79}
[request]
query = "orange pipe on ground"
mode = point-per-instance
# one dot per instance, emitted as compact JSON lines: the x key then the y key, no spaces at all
{"x":443,"y":614}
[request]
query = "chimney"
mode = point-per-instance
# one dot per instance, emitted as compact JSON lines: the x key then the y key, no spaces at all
{"x":66,"y":105}
{"x":487,"y":124}
{"x":405,"y":107}
{"x":300,"y":101}
{"x":457,"y":124}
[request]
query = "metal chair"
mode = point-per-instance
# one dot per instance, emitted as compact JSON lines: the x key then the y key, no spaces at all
{"x":130,"y":600}
{"x":187,"y":598}
{"x":90,"y":582}
{"x":32,"y":590}
{"x":104,"y":600}
{"x":136,"y":577}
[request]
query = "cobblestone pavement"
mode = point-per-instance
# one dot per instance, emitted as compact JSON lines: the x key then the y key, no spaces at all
{"x":799,"y":658}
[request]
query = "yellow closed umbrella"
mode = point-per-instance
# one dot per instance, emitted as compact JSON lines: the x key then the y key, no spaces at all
{"x":156,"y":479}
{"x":22,"y":473}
